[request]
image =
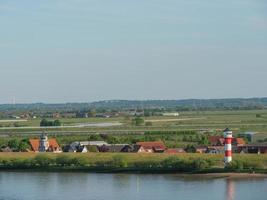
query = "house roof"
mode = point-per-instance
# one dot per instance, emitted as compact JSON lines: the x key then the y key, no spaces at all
{"x":69,"y":148}
{"x":217,"y":140}
{"x":221,"y":141}
{"x":240,"y":141}
{"x":152,"y":145}
{"x":128,"y":148}
{"x":256,"y":145}
{"x":112,"y":148}
{"x":53,"y":143}
{"x":214,"y":140}
{"x":216,"y":147}
{"x":171,"y":151}
{"x":201,"y":147}
{"x":35,"y":144}
{"x":93,"y":143}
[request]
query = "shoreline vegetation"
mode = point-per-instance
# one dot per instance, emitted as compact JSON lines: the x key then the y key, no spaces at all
{"x":205,"y":164}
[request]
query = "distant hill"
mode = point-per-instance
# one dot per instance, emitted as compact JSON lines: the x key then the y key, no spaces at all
{"x":189,"y":104}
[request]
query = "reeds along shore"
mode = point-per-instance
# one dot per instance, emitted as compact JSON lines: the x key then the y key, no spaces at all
{"x":130,"y":162}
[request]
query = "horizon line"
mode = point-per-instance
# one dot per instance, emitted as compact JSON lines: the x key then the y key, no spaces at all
{"x":110,"y":100}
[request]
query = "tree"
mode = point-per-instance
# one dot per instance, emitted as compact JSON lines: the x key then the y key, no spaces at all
{"x":43,"y":122}
{"x":18,"y":145}
{"x":13,"y":144}
{"x":190,"y":148}
{"x":94,"y":137}
{"x":57,"y":123}
{"x":204,"y":140}
{"x":258,"y":115}
{"x":23,"y":146}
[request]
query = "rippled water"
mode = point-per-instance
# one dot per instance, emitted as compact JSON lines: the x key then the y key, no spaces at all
{"x":83,"y":186}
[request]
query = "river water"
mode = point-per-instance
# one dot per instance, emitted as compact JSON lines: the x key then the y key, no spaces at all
{"x":86,"y":186}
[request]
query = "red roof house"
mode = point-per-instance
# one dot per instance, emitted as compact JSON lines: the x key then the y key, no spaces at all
{"x":239,"y":141}
{"x":151,"y":147}
{"x":216,"y":140}
{"x":52,"y":145}
{"x":219,"y":141}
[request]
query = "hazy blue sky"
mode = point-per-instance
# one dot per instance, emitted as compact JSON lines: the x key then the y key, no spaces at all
{"x":86,"y":50}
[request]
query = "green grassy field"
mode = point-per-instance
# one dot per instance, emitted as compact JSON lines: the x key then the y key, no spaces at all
{"x":212,"y":121}
{"x":130,"y":162}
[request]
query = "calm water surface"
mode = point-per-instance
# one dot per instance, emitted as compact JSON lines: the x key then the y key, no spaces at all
{"x":83,"y":186}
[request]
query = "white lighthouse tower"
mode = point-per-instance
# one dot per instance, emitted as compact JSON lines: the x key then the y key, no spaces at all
{"x":44,"y":143}
{"x":228,"y":135}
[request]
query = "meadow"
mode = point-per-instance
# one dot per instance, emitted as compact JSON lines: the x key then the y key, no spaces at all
{"x":202,"y":121}
{"x":130,"y":162}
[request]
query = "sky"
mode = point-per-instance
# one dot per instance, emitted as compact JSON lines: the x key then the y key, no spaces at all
{"x":56,"y":51}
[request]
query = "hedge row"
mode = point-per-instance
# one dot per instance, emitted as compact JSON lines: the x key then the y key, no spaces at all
{"x":64,"y":161}
{"x":132,"y":162}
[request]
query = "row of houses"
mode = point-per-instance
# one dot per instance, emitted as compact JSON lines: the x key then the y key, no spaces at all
{"x":43,"y":144}
{"x":216,"y":146}
{"x":101,"y":146}
{"x":238,"y":145}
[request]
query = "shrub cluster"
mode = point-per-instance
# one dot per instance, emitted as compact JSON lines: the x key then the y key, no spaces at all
{"x":116,"y":161}
{"x":130,"y":162}
{"x":45,"y":122}
{"x":240,"y":165}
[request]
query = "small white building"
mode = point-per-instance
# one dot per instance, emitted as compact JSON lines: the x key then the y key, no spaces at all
{"x":93,"y":143}
{"x":171,"y":114}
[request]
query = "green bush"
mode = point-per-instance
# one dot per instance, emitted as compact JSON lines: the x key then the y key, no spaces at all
{"x":119,"y":161}
{"x":253,"y":165}
{"x":150,"y":164}
{"x":13,"y":144}
{"x":190,"y":148}
{"x":200,"y":164}
{"x":176,"y":163}
{"x":258,"y":115}
{"x":16,"y":163}
{"x":43,"y":160}
{"x":64,"y":160}
{"x":45,"y":122}
{"x":235,"y":165}
{"x":80,"y":161}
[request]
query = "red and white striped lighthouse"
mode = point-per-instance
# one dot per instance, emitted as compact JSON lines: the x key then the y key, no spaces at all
{"x":228,"y":135}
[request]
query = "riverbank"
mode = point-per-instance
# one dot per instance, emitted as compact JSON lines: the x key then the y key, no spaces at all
{"x":188,"y":176}
{"x":133,"y":163}
{"x":228,"y":175}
